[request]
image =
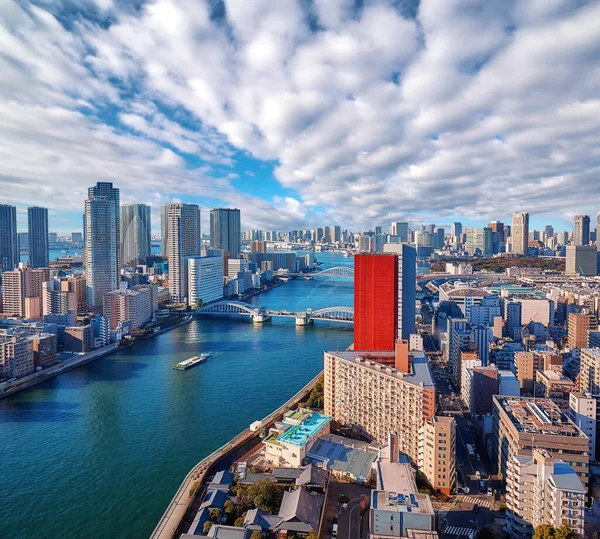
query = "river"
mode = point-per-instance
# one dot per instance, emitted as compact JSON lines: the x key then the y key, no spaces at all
{"x":99,"y":451}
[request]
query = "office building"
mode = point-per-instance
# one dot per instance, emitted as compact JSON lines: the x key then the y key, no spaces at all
{"x":513,"y":314}
{"x":479,"y":241}
{"x":396,"y":507}
{"x":438,"y":461}
{"x":205,"y":279}
{"x":598,"y":234}
{"x":22,"y":291}
{"x":136,"y":305}
{"x":107,"y":191}
{"x":579,"y":327}
{"x":581,"y":260}
{"x":482,"y":336}
{"x":164,"y":229}
{"x":521,"y":423}
{"x":258,"y":246}
{"x":589,"y":372}
{"x":9,"y":246}
{"x":136,"y":234}
{"x":400,"y":230}
{"x":520,"y":233}
{"x":184,"y":240}
{"x":497,"y":228}
{"x":581,"y":230}
{"x":225,"y":230}
{"x":456,"y":231}
{"x":541,"y":489}
{"x":235,"y":266}
{"x":16,"y":356}
{"x":77,"y":239}
{"x":37,"y":221}
{"x":583,"y":411}
{"x":379,"y":393}
{"x":479,"y":386}
{"x":101,"y":248}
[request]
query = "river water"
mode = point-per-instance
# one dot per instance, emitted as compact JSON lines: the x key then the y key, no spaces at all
{"x":99,"y":451}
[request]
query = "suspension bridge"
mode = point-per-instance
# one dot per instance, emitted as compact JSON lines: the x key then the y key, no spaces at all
{"x":262,"y":314}
{"x":337,"y":271}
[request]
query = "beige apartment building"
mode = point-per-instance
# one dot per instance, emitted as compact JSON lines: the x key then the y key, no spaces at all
{"x":16,"y":356}
{"x":580,"y":325}
{"x":438,"y":453}
{"x":555,"y":386}
{"x":589,"y":374}
{"x":541,"y":489}
{"x":22,"y":291}
{"x":520,"y":424}
{"x":528,"y":363}
{"x":366,"y":391}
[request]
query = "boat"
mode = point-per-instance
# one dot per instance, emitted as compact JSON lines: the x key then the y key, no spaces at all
{"x":191,"y":362}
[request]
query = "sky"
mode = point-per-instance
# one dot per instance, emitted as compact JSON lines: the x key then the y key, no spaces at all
{"x":304,"y":113}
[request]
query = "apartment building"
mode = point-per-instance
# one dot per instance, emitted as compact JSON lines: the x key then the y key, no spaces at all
{"x":589,"y":373}
{"x":16,"y":356}
{"x":44,"y":349}
{"x":438,"y":453}
{"x":528,"y":363}
{"x":22,"y":291}
{"x":480,"y":384}
{"x":137,"y":304}
{"x":583,"y":411}
{"x":380,"y":393}
{"x":554,"y":386}
{"x":580,"y":325}
{"x":541,"y":489}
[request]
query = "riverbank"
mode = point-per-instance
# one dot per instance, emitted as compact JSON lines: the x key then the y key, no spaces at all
{"x":59,"y":368}
{"x":177,"y":510}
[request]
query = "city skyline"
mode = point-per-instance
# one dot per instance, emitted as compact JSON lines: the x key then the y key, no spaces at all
{"x":264,"y":125}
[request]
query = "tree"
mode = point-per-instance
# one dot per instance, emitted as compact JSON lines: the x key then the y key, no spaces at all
{"x":229,"y":506}
{"x":547,"y":531}
{"x":263,"y":494}
{"x":207,"y":526}
{"x":239,"y":521}
{"x":312,"y":535}
{"x":215,"y":514}
{"x":256,"y":535}
{"x":315,"y":400}
{"x":565,"y":532}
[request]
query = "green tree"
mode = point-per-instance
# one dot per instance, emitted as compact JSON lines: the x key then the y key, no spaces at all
{"x":547,"y":531}
{"x":312,"y":535}
{"x":315,"y":399}
{"x":207,"y":526}
{"x":263,"y":494}
{"x":239,"y":522}
{"x":215,"y":514}
{"x":256,"y":535}
{"x":229,"y":506}
{"x":565,"y":532}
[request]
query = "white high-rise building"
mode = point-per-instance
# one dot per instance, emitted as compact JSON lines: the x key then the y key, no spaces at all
{"x":542,"y":490}
{"x":136,"y":234}
{"x":520,"y":233}
{"x":184,"y":240}
{"x":205,"y":279}
{"x":583,"y":411}
{"x":101,"y":248}
{"x":106,"y":190}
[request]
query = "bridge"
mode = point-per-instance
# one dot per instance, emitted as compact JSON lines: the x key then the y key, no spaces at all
{"x":261,"y":314}
{"x":337,"y":271}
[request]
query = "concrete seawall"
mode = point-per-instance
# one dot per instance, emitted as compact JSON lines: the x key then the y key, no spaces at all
{"x":171,"y":520}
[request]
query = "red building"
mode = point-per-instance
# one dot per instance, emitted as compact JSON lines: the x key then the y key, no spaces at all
{"x":375,"y":301}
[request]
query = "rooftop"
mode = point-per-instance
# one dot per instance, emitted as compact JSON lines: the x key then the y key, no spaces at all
{"x":419,"y":374}
{"x":307,"y":426}
{"x":342,"y":458}
{"x":396,"y":477}
{"x":565,"y":478}
{"x":537,"y":416}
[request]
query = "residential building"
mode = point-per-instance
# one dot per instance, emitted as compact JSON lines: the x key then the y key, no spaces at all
{"x":555,"y":386}
{"x":136,"y":233}
{"x":101,"y":254}
{"x":9,"y":246}
{"x":37,"y":221}
{"x":541,"y":489}
{"x":105,"y":190}
{"x":184,"y":240}
{"x":581,"y":260}
{"x":481,"y":384}
{"x":380,"y":393}
{"x":583,"y":411}
{"x":16,"y":356}
{"x":468,"y":359}
{"x":290,"y":439}
{"x":520,"y":233}
{"x":44,"y":349}
{"x":137,"y":304}
{"x":225,"y":230}
{"x":458,"y":338}
{"x":527,"y":364}
{"x":22,"y":291}
{"x":205,"y":279}
{"x":522,"y":423}
{"x":589,"y":372}
{"x":579,"y":327}
{"x":78,"y":339}
{"x":438,"y":461}
{"x":581,"y":230}
{"x":396,"y":505}
{"x":258,"y":246}
{"x":164,"y":230}
{"x":76,"y":284}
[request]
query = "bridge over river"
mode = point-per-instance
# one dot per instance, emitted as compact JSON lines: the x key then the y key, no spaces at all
{"x":262,"y":314}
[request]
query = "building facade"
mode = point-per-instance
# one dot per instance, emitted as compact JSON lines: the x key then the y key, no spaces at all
{"x":37,"y":222}
{"x":9,"y":246}
{"x":225,"y":230}
{"x":581,"y":260}
{"x":520,"y":233}
{"x":579,"y":327}
{"x":136,"y":234}
{"x":205,"y":279}
{"x":438,"y":461}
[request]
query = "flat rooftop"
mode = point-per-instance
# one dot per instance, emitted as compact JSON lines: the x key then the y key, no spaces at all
{"x":402,"y":503}
{"x":305,"y":430}
{"x":538,"y":416}
{"x":419,"y":374}
{"x":553,"y":376}
{"x":343,"y":458}
{"x":396,"y":477}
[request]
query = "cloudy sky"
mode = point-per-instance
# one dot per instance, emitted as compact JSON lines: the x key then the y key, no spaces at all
{"x":304,"y":112}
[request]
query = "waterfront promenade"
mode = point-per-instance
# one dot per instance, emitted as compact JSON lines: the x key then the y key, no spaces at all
{"x":175,"y":514}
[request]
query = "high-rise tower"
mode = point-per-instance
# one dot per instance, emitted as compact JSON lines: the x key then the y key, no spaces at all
{"x":225,"y":231}
{"x":9,"y":247}
{"x":520,"y":233}
{"x":136,"y":234}
{"x":37,"y":220}
{"x":581,"y":230}
{"x":106,"y":189}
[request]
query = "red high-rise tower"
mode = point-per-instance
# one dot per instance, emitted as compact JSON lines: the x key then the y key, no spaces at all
{"x":375,"y":301}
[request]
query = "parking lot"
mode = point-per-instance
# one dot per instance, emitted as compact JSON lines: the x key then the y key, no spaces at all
{"x":351,"y":524}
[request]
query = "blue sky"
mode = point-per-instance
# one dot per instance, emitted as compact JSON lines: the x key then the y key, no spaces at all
{"x":303,"y":113}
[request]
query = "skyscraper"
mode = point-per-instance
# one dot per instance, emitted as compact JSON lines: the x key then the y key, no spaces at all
{"x":520,"y":233}
{"x":598,"y":233}
{"x":184,"y":240}
{"x":101,"y":248}
{"x":135,"y":234}
{"x":37,"y":219}
{"x":106,"y":189}
{"x":164,"y":229}
{"x":497,"y":236}
{"x":581,"y":230}
{"x":581,"y":260}
{"x":225,"y":231}
{"x":456,"y":230}
{"x":400,"y":229}
{"x":9,"y":247}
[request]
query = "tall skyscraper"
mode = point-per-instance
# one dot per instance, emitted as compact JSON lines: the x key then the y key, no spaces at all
{"x":549,"y":231}
{"x":106,"y":189}
{"x":497,"y":236}
{"x":9,"y":246}
{"x":101,"y":248}
{"x":598,"y":234}
{"x":520,"y":233}
{"x":400,"y":229}
{"x":136,"y":234}
{"x":225,"y":231}
{"x":37,"y":219}
{"x":581,"y":260}
{"x":164,"y":229}
{"x":456,"y":230}
{"x":184,"y":240}
{"x":581,"y":230}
